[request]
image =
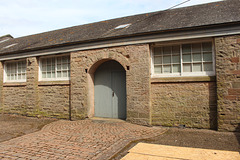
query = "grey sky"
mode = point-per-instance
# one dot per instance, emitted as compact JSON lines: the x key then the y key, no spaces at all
{"x":25,"y":17}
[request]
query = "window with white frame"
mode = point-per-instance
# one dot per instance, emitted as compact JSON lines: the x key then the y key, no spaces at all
{"x":192,"y":59}
{"x":55,"y":68}
{"x":15,"y":71}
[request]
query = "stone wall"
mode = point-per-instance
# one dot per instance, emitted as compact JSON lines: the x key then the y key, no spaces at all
{"x":34,"y":98}
{"x":228,"y":82}
{"x":192,"y":104}
{"x":32,"y":86}
{"x":14,"y":99}
{"x":135,"y":59}
{"x":54,"y":100}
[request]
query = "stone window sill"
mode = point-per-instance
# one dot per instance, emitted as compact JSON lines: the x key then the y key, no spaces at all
{"x":14,"y":84}
{"x":183,"y":79}
{"x":53,"y":83}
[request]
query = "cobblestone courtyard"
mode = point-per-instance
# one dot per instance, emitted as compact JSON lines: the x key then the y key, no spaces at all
{"x":85,"y":139}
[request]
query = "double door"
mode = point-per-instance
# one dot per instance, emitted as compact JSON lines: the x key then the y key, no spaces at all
{"x":110,"y":91}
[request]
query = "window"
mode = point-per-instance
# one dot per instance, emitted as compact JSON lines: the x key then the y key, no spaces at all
{"x":55,"y":68}
{"x":15,"y":71}
{"x":183,"y":60}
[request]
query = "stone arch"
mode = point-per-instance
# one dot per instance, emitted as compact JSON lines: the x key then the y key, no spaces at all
{"x":96,"y":61}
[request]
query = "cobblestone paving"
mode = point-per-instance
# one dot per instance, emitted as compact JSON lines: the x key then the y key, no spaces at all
{"x":85,"y":139}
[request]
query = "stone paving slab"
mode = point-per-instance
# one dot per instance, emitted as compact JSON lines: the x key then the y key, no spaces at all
{"x":143,"y":151}
{"x":85,"y":139}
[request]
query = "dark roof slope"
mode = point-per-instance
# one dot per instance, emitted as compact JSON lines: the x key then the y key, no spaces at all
{"x":200,"y":15}
{"x":8,"y":36}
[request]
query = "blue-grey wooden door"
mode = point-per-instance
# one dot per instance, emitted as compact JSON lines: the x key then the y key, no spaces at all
{"x":110,"y":91}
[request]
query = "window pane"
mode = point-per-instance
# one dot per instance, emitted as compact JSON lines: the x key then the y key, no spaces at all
{"x":59,"y":67}
{"x":48,"y":74}
{"x":207,"y":47}
{"x":53,"y":62}
{"x":19,"y":76}
{"x":19,"y":69}
{"x":157,"y":69}
{"x":197,"y":57}
{"x":176,"y":68}
{"x":53,"y":68}
{"x":187,"y":58}
{"x":157,"y":51}
{"x":207,"y":67}
{"x":166,"y":50}
{"x":196,"y":48}
{"x":59,"y":60}
{"x":13,"y":68}
{"x":197,"y":67}
{"x":44,"y":68}
{"x":24,"y":76}
{"x":48,"y":68}
{"x":157,"y":60}
{"x":8,"y":68}
{"x":44,"y":62}
{"x":176,"y":49}
{"x":64,"y":66}
{"x":186,"y":48}
{"x":187,"y":68}
{"x":12,"y":77}
{"x":65,"y":74}
{"x":19,"y":64}
{"x":207,"y":57}
{"x":68,"y":66}
{"x":49,"y":61}
{"x":167,"y":69}
{"x":56,"y":64}
{"x":43,"y":74}
{"x":176,"y":59}
{"x":59,"y":74}
{"x":166,"y":59}
{"x":24,"y":68}
{"x":65,"y":60}
{"x":53,"y":74}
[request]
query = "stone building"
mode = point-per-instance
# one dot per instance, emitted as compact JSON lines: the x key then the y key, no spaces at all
{"x":170,"y":68}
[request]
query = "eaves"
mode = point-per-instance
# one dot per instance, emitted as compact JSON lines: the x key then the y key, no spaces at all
{"x":144,"y":38}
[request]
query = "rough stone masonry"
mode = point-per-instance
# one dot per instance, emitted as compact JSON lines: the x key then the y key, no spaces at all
{"x":208,"y":102}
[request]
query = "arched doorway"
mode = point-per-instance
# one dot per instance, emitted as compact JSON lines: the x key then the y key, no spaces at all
{"x":110,"y":91}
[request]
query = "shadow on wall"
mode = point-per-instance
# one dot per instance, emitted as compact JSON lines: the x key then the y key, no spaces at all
{"x":237,"y":133}
{"x":213,"y":106}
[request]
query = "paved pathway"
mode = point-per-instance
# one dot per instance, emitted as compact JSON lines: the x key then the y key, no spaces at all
{"x":145,"y":151}
{"x":85,"y":139}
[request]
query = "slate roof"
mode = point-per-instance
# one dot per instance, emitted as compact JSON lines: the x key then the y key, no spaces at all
{"x":216,"y":13}
{"x":5,"y":37}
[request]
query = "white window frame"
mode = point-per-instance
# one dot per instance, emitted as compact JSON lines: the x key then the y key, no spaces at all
{"x":5,"y":71}
{"x":182,"y":74}
{"x":56,"y":78}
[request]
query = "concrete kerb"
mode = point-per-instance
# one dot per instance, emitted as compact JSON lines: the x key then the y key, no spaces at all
{"x":135,"y":142}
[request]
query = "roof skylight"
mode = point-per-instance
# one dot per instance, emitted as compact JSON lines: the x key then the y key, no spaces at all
{"x":123,"y":26}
